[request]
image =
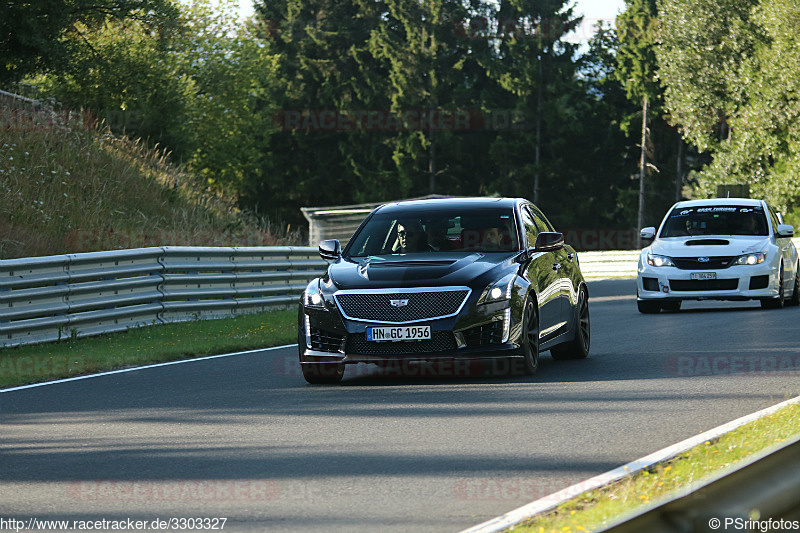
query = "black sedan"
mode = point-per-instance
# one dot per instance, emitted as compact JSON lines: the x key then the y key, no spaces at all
{"x":442,"y":283}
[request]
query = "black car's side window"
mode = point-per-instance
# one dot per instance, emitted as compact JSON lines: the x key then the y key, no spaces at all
{"x":531,"y":230}
{"x":541,"y":221}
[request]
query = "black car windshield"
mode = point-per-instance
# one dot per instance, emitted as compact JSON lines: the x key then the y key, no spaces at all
{"x":430,"y":231}
{"x":715,"y":220}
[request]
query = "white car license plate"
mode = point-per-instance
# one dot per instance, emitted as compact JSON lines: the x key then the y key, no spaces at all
{"x":704,"y":275}
{"x":399,"y":333}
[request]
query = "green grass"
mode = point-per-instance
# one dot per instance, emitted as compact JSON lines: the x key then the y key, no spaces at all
{"x":145,"y":345}
{"x":600,"y":508}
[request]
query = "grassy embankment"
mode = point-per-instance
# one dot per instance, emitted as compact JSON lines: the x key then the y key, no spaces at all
{"x":66,"y":190}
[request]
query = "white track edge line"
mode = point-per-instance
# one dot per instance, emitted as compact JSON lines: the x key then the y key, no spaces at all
{"x":546,"y":503}
{"x":134,"y":368}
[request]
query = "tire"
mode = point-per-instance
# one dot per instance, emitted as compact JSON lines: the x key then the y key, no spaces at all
{"x":780,"y":300}
{"x":317,"y":373}
{"x":578,"y":347}
{"x":795,"y":299}
{"x":530,"y":337}
{"x":671,"y":307}
{"x":648,"y":307}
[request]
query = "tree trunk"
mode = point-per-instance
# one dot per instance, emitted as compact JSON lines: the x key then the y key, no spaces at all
{"x":432,"y":165}
{"x":538,"y":147}
{"x":642,"y":167}
{"x":679,"y":170}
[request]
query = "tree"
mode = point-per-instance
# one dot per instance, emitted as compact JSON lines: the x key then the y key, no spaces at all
{"x":732,"y":77}
{"x":703,"y":45}
{"x":39,"y":36}
{"x":637,"y":72}
{"x":324,"y":66}
{"x":430,"y":70}
{"x":194,"y":88}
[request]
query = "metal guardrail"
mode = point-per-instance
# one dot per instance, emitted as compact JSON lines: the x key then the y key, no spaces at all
{"x":612,"y":264}
{"x":49,"y":298}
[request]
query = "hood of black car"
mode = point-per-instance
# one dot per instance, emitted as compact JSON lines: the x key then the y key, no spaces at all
{"x":415,"y":270}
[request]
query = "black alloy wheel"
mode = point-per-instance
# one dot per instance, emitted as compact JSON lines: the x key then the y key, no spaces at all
{"x":530,"y":337}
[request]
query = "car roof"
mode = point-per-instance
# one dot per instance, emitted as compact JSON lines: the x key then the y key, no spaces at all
{"x":457,"y":203}
{"x":719,"y":201}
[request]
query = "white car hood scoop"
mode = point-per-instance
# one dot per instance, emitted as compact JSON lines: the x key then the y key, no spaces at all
{"x":708,"y":242}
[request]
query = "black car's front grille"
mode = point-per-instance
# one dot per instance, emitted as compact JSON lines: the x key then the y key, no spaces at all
{"x":484,"y":335}
{"x":400,"y":306}
{"x":440,"y":341}
{"x":693,"y":263}
{"x":703,"y":284}
{"x":325,"y":341}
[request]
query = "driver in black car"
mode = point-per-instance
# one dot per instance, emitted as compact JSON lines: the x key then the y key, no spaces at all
{"x":411,"y":237}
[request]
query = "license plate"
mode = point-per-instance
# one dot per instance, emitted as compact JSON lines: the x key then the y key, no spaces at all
{"x":399,"y":333}
{"x":704,"y":275}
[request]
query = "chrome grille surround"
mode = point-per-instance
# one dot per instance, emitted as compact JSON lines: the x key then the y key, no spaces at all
{"x":424,"y":303}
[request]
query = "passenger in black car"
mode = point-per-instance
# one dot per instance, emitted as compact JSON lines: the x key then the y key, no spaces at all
{"x":437,"y":236}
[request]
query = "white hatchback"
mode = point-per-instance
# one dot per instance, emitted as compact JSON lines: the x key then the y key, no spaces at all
{"x":718,"y":249}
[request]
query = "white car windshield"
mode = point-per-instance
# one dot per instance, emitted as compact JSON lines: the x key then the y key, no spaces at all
{"x":715,"y":220}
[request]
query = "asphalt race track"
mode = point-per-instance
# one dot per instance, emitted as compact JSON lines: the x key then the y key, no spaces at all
{"x":245,"y":438}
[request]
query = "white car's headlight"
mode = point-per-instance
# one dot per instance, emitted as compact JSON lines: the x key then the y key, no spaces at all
{"x":659,"y":261}
{"x":751,"y":259}
{"x":499,"y":291}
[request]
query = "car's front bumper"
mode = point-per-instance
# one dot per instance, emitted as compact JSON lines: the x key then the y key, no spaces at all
{"x":494,"y":332}
{"x":740,"y":282}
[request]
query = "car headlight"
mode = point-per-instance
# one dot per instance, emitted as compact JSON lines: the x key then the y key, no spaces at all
{"x":751,"y":259}
{"x":312,"y":297}
{"x":659,"y":261}
{"x":498,"y":291}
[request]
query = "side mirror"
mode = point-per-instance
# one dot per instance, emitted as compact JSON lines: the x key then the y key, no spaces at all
{"x":648,"y":233}
{"x":785,"y":230}
{"x":547,"y":241}
{"x":330,"y":250}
